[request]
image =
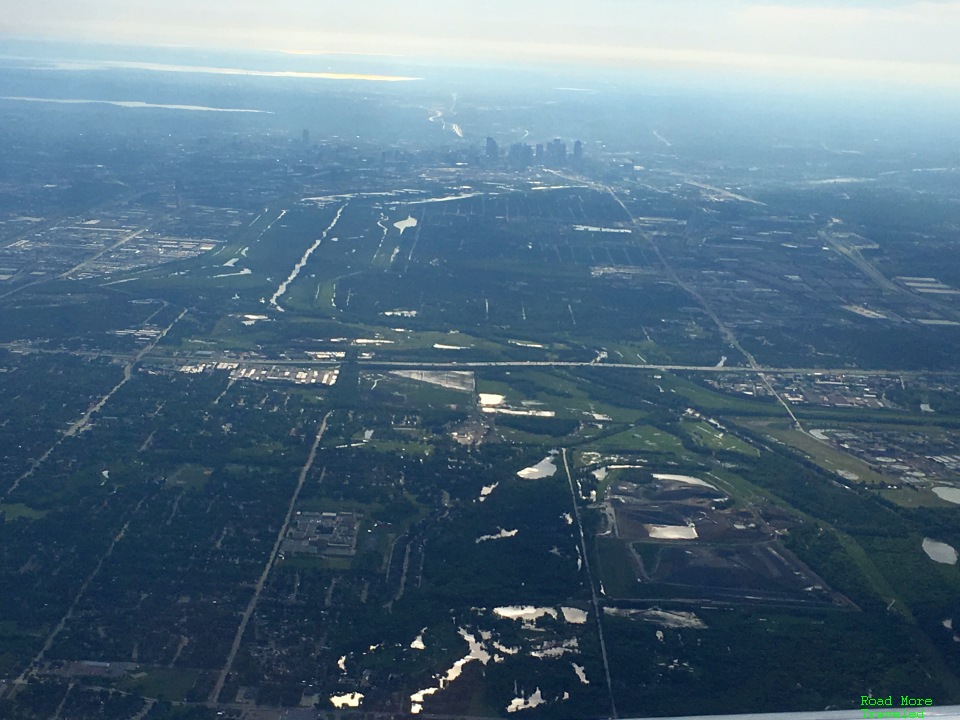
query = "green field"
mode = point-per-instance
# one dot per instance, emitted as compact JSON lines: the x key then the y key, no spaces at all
{"x":822,"y":453}
{"x":191,"y":477}
{"x":714,"y":439}
{"x":14,"y":511}
{"x":162,"y":683}
{"x":642,"y":438}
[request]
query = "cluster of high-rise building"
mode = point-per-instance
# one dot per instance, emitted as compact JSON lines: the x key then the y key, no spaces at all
{"x":521,"y":155}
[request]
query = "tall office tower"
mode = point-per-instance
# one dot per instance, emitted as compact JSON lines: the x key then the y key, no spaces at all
{"x":520,"y":155}
{"x":556,"y":153}
{"x":493,"y":152}
{"x":539,"y":155}
{"x":577,"y":151}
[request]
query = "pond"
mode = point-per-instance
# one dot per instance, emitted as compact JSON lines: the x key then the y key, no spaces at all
{"x":940,"y":552}
{"x":543,"y":469}
{"x":950,"y":494}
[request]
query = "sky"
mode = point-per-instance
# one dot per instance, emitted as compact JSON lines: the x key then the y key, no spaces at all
{"x":888,"y":41}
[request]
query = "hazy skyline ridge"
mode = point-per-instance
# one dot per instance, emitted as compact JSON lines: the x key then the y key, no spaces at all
{"x":913,"y":42}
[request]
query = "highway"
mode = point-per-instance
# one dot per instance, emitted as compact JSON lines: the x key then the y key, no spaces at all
{"x":162,"y":357}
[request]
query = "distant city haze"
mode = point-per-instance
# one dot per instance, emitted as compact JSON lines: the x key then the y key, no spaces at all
{"x":888,"y":41}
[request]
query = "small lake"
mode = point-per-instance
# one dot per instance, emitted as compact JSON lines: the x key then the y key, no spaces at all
{"x":675,"y":532}
{"x":410,"y":222}
{"x":950,"y":494}
{"x":940,"y":552}
{"x":543,"y":469}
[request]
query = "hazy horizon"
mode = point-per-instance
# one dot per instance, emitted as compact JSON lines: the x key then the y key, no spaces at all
{"x":889,"y":42}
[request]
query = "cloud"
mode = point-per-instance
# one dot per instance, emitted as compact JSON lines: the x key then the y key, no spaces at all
{"x":912,"y":32}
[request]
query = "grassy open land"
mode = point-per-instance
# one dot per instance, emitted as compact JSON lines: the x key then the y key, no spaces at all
{"x":197,"y":279}
{"x":713,"y":439}
{"x":409,"y":448}
{"x":332,"y":296}
{"x":420,"y":345}
{"x":414,"y":392}
{"x":396,"y":435}
{"x":499,"y":387}
{"x":556,"y":383}
{"x":229,"y":332}
{"x":642,"y":438}
{"x":381,"y":261}
{"x":519,"y":437}
{"x":710,"y":400}
{"x":822,"y":453}
{"x":323,"y":297}
{"x":616,"y":568}
{"x":163,"y":683}
{"x":742,"y":492}
{"x":191,"y":477}
{"x":880,"y":417}
{"x":398,"y":344}
{"x":910,"y":496}
{"x":560,"y":391}
{"x":336,"y":563}
{"x":14,"y":511}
